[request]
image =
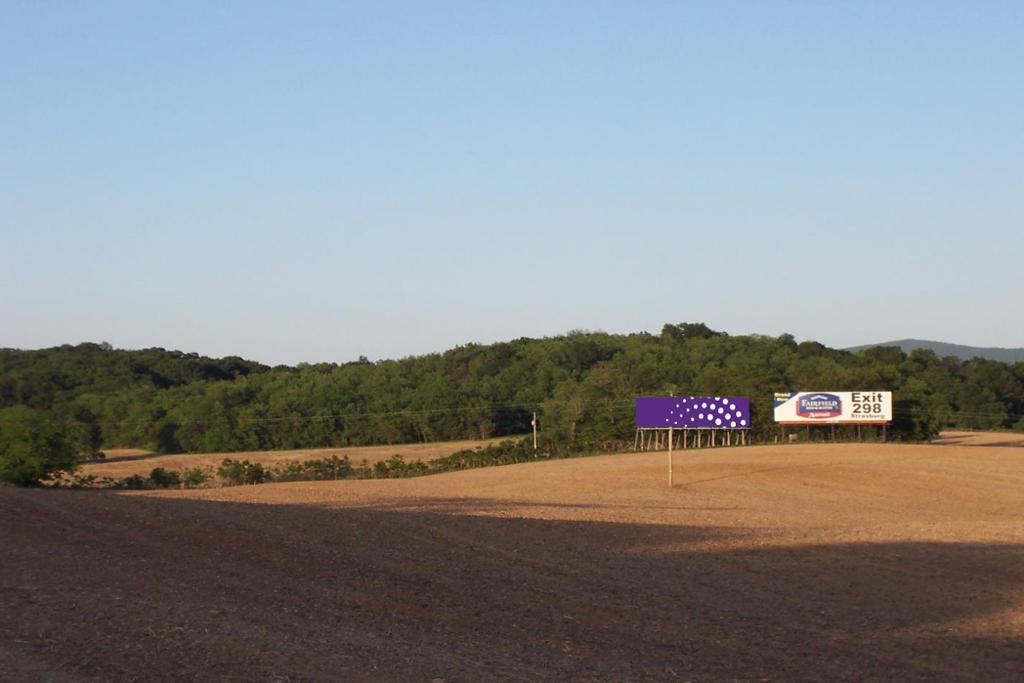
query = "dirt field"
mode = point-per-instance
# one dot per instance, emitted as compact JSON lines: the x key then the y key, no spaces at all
{"x":126,"y":462}
{"x":791,"y":563}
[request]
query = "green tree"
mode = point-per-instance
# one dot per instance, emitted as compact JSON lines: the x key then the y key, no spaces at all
{"x":33,"y":446}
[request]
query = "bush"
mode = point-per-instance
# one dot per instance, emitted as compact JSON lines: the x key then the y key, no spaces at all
{"x":163,"y":479}
{"x":132,"y":482}
{"x":396,"y":467}
{"x":242,"y":472}
{"x":312,"y":470}
{"x":329,"y":468}
{"x":81,"y":481}
{"x":289,"y":471}
{"x":194,"y":477}
{"x":504,"y":453}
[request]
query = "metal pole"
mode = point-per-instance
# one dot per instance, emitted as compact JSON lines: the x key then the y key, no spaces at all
{"x":670,"y":435}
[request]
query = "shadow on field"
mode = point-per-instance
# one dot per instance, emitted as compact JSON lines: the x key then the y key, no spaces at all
{"x":981,"y":440}
{"x":122,"y":587}
{"x":1015,"y":443}
{"x":127,"y":458}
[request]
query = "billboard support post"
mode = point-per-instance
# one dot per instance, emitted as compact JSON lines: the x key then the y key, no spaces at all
{"x":670,"y":457}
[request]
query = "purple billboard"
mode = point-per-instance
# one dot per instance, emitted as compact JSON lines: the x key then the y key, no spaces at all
{"x":693,"y":412}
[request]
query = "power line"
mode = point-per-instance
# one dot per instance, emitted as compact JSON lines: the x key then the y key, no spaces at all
{"x":580,"y":402}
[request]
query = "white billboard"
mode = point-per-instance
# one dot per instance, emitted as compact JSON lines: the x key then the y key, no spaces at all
{"x":834,"y":407}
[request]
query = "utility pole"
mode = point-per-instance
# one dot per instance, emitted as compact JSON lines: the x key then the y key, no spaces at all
{"x":533,"y":423}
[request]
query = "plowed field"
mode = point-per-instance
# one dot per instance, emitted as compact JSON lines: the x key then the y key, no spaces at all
{"x":806,"y":562}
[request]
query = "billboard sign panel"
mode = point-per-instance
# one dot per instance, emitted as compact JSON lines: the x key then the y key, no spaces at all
{"x":693,"y":412}
{"x":833,"y":407}
{"x":819,"y":406}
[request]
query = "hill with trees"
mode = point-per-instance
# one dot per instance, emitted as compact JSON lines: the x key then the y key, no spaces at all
{"x":942,"y":349}
{"x":581,"y":384}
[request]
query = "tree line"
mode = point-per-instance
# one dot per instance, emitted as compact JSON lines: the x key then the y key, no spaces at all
{"x":91,"y":397}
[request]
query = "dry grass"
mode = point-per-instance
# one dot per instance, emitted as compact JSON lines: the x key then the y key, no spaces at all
{"x":126,"y":462}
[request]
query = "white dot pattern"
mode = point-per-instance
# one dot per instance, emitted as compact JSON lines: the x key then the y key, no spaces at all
{"x":694,"y":412}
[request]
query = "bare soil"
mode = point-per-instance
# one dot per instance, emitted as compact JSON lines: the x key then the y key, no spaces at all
{"x":786,"y":563}
{"x":126,"y":462}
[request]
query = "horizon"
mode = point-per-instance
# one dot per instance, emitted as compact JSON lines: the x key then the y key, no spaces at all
{"x":853,"y":349}
{"x":318,"y":183}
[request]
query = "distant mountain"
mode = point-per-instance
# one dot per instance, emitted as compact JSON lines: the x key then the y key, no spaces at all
{"x":942,"y":350}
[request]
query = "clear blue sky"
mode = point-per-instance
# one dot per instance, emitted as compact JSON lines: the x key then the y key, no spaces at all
{"x":315,"y":181}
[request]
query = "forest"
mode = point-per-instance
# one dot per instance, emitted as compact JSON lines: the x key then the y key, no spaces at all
{"x":81,"y":399}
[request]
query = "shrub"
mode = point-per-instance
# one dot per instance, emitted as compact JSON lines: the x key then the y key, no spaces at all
{"x":164,"y":479}
{"x":311,"y":470}
{"x":396,"y":467}
{"x":242,"y":472}
{"x":504,"y":453}
{"x":132,"y":482}
{"x":81,"y":481}
{"x":289,"y":471}
{"x":329,"y":468}
{"x":194,"y":477}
